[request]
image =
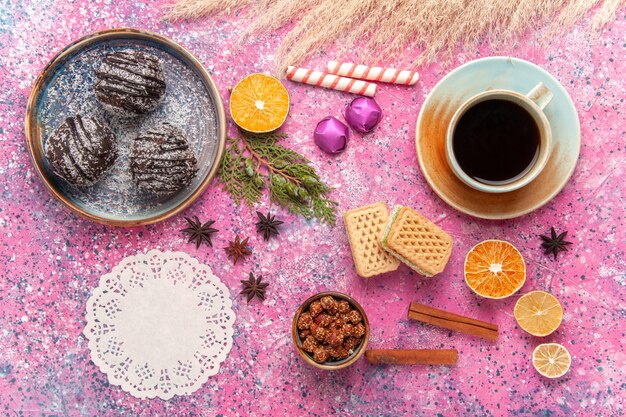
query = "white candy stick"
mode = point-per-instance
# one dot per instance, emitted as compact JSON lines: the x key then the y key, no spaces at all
{"x":334,"y":82}
{"x":363,"y":72}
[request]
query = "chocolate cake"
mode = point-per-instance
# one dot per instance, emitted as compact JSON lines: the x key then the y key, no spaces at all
{"x":161,"y":161}
{"x":81,"y":150}
{"x":130,"y":82}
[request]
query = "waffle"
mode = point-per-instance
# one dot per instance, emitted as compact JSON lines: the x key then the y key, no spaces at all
{"x":365,"y":226}
{"x":416,"y":241}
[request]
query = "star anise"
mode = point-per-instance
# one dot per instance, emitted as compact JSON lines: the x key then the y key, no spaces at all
{"x":553,"y":243}
{"x":268,"y":225}
{"x":238,"y":249}
{"x":199,"y":232}
{"x":254,"y":288}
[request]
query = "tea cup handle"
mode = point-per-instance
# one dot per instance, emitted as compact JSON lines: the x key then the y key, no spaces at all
{"x":541,"y":95}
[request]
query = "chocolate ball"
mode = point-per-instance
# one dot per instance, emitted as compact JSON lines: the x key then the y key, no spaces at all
{"x":161,"y":161}
{"x":81,"y":150}
{"x":130,"y":82}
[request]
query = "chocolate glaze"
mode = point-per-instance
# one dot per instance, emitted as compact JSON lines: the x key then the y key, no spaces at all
{"x":161,"y":161}
{"x":81,"y":150}
{"x":130,"y":82}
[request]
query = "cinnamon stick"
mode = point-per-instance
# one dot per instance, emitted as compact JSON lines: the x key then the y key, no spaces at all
{"x":413,"y":356}
{"x":452,"y":321}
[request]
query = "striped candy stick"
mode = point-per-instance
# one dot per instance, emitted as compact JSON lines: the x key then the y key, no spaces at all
{"x":363,"y":72}
{"x":333,"y":82}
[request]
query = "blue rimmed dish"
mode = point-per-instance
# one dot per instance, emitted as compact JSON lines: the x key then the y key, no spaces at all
{"x":192,"y":103}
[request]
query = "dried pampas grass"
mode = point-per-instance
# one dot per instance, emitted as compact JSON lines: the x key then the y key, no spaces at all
{"x":436,"y":27}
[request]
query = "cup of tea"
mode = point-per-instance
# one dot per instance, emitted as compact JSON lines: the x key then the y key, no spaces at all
{"x":500,"y":140}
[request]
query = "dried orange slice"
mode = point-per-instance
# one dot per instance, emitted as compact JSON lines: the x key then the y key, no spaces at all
{"x":259,"y":103}
{"x":551,"y":360}
{"x":494,"y":269}
{"x":538,"y":312}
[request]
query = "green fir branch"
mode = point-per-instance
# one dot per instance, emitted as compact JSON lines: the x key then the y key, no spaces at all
{"x":254,"y":162}
{"x":234,"y":178}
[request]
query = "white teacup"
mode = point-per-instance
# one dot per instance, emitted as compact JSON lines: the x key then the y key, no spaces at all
{"x":534,"y":103}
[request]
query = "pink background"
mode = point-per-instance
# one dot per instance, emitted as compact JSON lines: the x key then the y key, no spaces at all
{"x":51,"y":260}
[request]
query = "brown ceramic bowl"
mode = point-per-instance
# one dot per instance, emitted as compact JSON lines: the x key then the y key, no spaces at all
{"x":330,"y":365}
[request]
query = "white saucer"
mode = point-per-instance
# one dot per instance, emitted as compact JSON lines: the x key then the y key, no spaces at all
{"x":471,"y":79}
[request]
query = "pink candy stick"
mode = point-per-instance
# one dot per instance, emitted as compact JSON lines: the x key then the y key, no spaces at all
{"x":363,"y":72}
{"x":334,"y":82}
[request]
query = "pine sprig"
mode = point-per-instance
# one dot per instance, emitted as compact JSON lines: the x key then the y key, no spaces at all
{"x":254,"y":162}
{"x":235,"y":179}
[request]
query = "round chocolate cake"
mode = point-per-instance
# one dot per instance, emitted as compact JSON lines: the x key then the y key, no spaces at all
{"x":161,"y":160}
{"x":130,"y":82}
{"x":81,"y":150}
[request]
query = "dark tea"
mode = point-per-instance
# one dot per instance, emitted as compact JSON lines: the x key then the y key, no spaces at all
{"x":496,"y":142}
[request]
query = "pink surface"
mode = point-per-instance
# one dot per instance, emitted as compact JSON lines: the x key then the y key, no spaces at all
{"x":51,"y":259}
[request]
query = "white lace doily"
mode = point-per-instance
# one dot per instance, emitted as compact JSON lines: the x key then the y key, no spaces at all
{"x":159,"y":324}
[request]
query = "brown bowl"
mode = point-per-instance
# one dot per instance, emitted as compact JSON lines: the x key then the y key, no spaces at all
{"x":330,"y":365}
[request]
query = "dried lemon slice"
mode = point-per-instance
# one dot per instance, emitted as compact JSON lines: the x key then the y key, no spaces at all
{"x":551,"y":360}
{"x":538,"y":312}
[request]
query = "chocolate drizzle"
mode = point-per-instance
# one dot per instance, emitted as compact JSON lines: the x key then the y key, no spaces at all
{"x":130,"y":82}
{"x":161,"y":161}
{"x":81,"y":150}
